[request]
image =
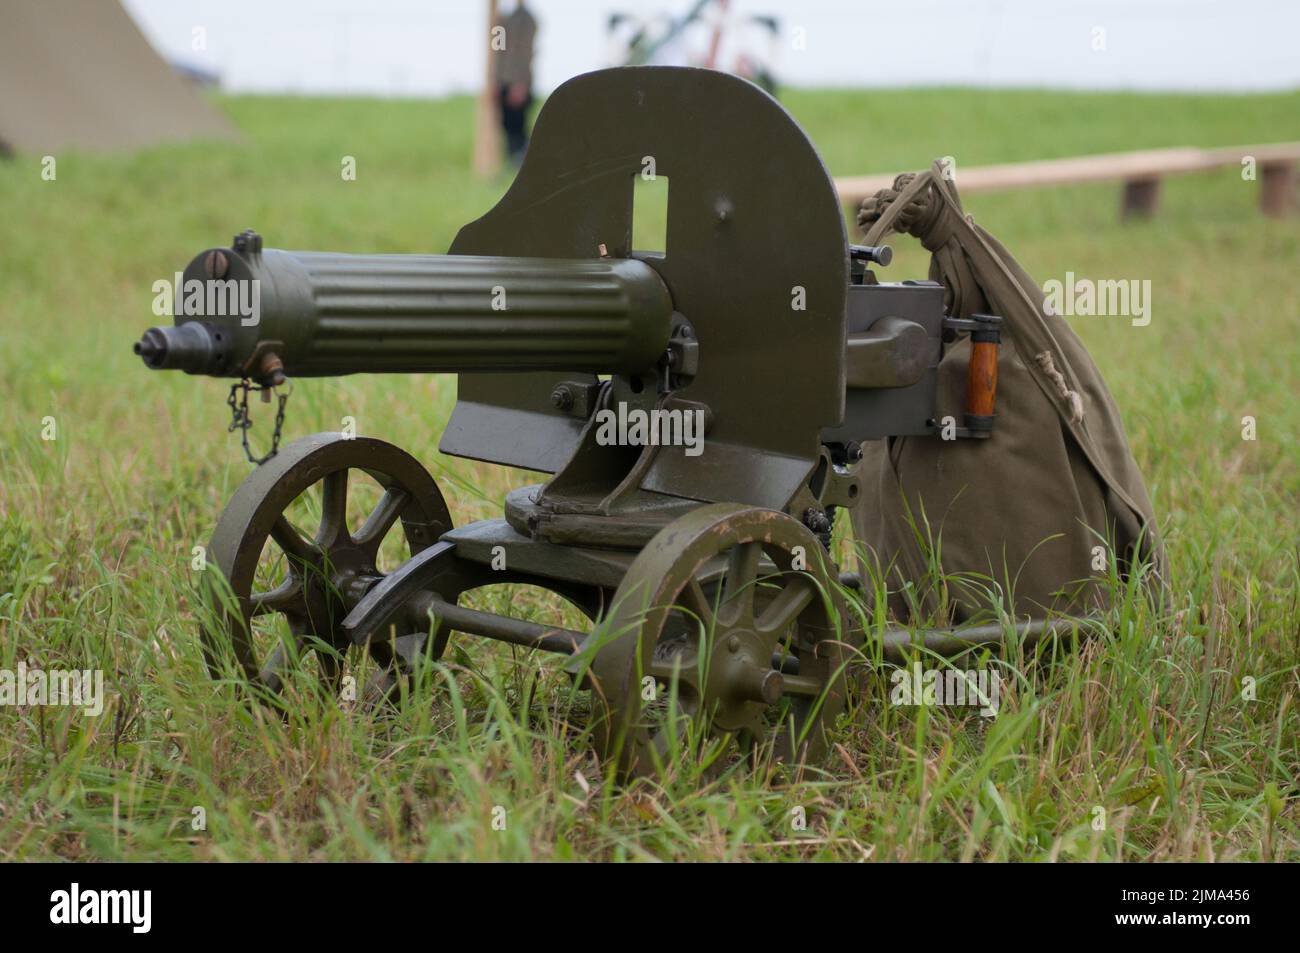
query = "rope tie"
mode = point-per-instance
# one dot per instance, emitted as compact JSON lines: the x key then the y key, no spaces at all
{"x":1071,"y":397}
{"x":919,"y":217}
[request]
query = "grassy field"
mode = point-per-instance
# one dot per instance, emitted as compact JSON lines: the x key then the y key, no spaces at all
{"x":97,"y":528}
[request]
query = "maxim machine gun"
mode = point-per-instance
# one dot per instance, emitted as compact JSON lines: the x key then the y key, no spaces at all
{"x":700,"y":408}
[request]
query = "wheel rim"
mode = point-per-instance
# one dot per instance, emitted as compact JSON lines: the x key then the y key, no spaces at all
{"x":324,"y":573}
{"x":717,"y":605}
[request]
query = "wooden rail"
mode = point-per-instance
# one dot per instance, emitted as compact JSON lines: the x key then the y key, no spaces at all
{"x":1141,"y":173}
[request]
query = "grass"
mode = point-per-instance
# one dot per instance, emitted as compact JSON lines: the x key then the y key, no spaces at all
{"x":97,"y":528}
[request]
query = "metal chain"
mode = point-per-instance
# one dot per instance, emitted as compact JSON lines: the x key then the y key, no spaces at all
{"x":241,"y":421}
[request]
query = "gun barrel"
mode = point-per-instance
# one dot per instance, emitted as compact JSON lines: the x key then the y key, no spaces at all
{"x":329,"y":314}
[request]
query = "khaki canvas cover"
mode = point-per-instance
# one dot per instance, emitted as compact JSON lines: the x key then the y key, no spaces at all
{"x":1015,"y":519}
{"x":79,"y":74}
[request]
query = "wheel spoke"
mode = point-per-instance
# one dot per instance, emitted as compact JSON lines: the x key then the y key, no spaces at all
{"x":334,"y":509}
{"x":738,"y":588}
{"x":696,"y":601}
{"x":786,"y":606}
{"x":294,"y":545}
{"x":381,"y":519}
{"x":284,"y":597}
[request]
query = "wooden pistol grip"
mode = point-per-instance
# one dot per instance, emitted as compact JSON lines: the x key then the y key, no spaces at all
{"x":982,"y":379}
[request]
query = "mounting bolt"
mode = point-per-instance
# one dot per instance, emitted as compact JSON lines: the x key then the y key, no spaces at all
{"x":562,"y":398}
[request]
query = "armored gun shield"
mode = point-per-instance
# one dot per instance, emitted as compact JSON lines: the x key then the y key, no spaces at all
{"x":757,"y":261}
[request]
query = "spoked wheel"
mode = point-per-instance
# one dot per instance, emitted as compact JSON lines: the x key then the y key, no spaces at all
{"x":727,"y":620}
{"x":290,"y":591}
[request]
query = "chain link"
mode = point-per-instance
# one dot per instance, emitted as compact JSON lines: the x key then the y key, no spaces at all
{"x":241,"y":421}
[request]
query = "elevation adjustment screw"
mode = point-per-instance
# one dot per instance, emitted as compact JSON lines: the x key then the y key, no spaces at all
{"x":215,"y":264}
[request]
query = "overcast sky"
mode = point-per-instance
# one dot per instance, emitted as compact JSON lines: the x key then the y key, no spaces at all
{"x":433,"y":47}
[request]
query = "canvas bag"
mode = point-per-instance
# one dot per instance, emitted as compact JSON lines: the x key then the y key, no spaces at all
{"x":1017,"y":517}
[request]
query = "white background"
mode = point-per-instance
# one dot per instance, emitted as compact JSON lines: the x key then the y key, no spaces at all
{"x":434,"y":47}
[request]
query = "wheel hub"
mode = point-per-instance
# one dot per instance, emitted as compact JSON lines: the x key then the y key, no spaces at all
{"x":741,"y":679}
{"x":334,"y":586}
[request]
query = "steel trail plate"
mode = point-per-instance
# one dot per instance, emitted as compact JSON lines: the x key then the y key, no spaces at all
{"x":757,"y":260}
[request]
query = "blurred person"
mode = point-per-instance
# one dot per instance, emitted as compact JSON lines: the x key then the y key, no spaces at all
{"x":514,"y":76}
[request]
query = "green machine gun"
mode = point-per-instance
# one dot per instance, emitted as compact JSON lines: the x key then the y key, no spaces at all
{"x":752,"y":356}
